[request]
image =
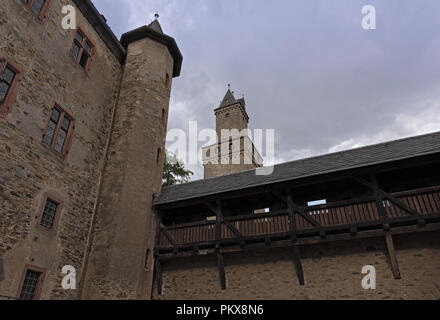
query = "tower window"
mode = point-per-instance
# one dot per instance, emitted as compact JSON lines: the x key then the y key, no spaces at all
{"x":82,"y":50}
{"x":228,"y":115}
{"x":9,"y":81}
{"x":148,"y":260}
{"x":167,"y":80}
{"x":163,"y":117}
{"x":159,"y":151}
{"x":59,"y":130}
{"x":31,"y":284}
{"x":38,"y":7}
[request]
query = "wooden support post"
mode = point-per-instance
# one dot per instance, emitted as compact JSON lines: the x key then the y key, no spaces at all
{"x":292,"y":221}
{"x":298,"y":264}
{"x":379,"y":199}
{"x":221,"y":270}
{"x":392,"y":255}
{"x":218,"y":222}
{"x":158,"y":270}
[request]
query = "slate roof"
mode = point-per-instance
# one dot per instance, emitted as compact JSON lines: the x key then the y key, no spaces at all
{"x":155,"y":25}
{"x":333,"y":162}
{"x":228,"y":99}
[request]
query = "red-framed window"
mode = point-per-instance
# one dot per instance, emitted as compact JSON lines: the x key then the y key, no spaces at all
{"x":50,"y":213}
{"x":82,"y":49}
{"x":59,"y":130}
{"x":39,"y":7}
{"x":10,"y":77}
{"x":31,"y":283}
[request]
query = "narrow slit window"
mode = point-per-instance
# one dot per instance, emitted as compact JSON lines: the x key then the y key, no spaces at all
{"x":30,"y":285}
{"x":148,"y":260}
{"x":49,"y":214}
{"x":159,"y":151}
{"x":164,"y":114}
{"x":167,"y":80}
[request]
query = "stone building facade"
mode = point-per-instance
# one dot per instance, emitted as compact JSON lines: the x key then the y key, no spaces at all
{"x":82,"y":129}
{"x":234,"y":150}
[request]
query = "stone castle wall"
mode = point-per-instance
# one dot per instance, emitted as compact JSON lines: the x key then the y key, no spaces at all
{"x":29,"y":169}
{"x":332,"y":271}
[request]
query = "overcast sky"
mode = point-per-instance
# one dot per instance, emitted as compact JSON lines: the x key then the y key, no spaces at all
{"x":306,"y":67}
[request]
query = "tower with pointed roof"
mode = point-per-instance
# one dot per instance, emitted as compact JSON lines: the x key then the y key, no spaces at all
{"x":234,"y":151}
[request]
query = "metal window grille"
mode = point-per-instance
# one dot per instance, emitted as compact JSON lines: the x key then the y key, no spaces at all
{"x":30,"y":285}
{"x":49,"y":213}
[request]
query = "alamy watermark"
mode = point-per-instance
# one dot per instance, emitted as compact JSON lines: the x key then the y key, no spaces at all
{"x":233,"y":146}
{"x":369,"y":281}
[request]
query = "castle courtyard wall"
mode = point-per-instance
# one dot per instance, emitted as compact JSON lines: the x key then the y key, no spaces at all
{"x":332,"y":271}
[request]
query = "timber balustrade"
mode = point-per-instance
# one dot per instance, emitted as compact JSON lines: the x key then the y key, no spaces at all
{"x":416,"y":205}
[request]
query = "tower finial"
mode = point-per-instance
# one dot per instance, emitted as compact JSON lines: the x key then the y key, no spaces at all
{"x":156,"y":15}
{"x":229,"y":86}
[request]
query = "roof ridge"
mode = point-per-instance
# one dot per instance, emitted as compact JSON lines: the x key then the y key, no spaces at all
{"x":308,"y":158}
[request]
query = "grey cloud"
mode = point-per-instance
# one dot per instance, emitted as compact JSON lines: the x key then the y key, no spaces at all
{"x":307,"y":69}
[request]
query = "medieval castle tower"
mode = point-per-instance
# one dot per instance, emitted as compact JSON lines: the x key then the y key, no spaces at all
{"x":83,"y":121}
{"x":234,"y":150}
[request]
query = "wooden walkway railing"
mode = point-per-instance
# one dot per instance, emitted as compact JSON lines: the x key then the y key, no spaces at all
{"x":424,"y":202}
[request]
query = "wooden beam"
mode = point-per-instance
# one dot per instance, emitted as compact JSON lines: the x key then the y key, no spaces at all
{"x":310,"y":241}
{"x":168,"y":234}
{"x":233,"y":229}
{"x":400,"y":204}
{"x":221,"y":270}
{"x":296,"y":209}
{"x":218,"y":222}
{"x":381,"y":194}
{"x":158,"y":270}
{"x":298,"y":265}
{"x":392,"y":255}
{"x":301,"y":212}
